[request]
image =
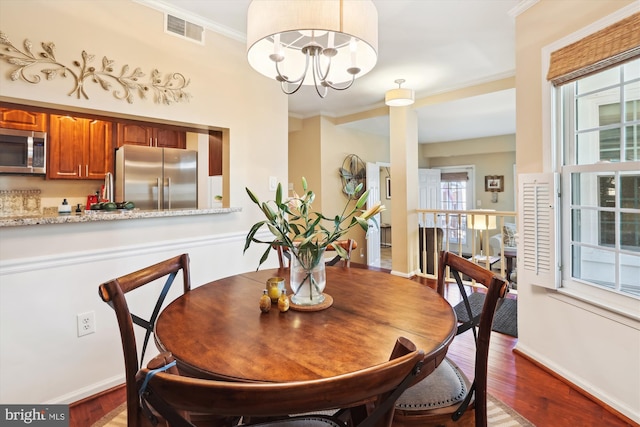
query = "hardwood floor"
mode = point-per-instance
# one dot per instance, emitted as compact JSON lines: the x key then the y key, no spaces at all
{"x":536,"y":394}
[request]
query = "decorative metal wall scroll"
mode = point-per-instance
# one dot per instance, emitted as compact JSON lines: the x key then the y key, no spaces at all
{"x":125,"y":83}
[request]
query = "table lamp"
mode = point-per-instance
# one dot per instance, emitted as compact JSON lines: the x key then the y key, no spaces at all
{"x":481,"y":222}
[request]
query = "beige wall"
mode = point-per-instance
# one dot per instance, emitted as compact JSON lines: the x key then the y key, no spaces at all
{"x":317,"y":149}
{"x":305,"y":147}
{"x":51,"y":272}
{"x":590,"y":347}
{"x":490,"y":156}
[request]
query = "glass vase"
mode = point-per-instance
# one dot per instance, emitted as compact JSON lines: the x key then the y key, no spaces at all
{"x":307,"y":276}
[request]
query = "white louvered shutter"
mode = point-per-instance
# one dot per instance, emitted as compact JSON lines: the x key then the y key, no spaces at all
{"x":538,"y":248}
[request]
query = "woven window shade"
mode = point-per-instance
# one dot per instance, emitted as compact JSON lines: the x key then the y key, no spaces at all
{"x":610,"y":46}
{"x":454,"y":176}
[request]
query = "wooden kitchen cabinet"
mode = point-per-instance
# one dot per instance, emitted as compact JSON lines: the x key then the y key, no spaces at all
{"x":215,"y":153}
{"x":79,"y":148}
{"x":22,"y":119}
{"x":150,"y":136}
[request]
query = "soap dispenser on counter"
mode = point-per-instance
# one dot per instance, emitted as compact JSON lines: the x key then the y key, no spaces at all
{"x":64,"y":208}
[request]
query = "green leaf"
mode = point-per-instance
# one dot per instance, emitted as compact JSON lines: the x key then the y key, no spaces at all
{"x":252,"y":233}
{"x":264,"y":257}
{"x":363,"y":223}
{"x":295,"y":229}
{"x":317,"y":220}
{"x":340,"y":251}
{"x":275,"y":232}
{"x":306,"y":240}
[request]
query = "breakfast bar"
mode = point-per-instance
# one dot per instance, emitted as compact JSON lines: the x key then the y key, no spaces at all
{"x":96,"y":216}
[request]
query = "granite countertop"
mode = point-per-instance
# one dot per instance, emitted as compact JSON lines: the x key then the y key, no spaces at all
{"x":92,"y":216}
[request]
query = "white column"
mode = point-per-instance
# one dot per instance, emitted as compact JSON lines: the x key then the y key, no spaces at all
{"x":403,"y":143}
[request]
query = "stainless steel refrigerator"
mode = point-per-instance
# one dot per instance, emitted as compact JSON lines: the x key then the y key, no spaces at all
{"x":156,"y":178}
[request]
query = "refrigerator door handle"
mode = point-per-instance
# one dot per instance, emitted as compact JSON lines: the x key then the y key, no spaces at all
{"x":169,"y":192}
{"x":160,"y":188}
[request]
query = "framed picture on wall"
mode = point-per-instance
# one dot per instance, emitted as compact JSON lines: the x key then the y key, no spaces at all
{"x":494,"y":183}
{"x":388,"y":187}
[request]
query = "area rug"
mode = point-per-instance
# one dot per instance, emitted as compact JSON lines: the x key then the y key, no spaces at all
{"x":498,"y":415}
{"x":505,"y":320}
{"x":115,"y":418}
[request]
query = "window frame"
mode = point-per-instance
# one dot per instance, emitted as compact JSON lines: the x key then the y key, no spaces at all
{"x":458,"y":235}
{"x":553,"y":161}
{"x":609,"y":298}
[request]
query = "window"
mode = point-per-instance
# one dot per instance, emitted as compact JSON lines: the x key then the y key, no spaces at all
{"x":455,"y":195}
{"x":599,"y":116}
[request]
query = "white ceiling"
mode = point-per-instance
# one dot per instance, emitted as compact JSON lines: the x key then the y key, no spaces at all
{"x":435,"y":45}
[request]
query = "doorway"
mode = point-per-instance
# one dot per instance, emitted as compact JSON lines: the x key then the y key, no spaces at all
{"x":386,"y":244}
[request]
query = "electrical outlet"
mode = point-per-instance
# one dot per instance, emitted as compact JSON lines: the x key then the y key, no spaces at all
{"x":86,"y":323}
{"x":273,"y":183}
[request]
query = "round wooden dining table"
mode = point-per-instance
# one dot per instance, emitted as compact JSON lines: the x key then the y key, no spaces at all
{"x":218,"y":331}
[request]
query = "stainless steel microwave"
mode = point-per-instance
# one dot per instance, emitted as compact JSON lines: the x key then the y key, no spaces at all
{"x":23,"y":152}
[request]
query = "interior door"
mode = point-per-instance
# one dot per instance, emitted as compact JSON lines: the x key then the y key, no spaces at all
{"x":429,"y":189}
{"x":373,"y":234}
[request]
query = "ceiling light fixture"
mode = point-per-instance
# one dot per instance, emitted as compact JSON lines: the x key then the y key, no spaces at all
{"x":324,"y":43}
{"x":399,"y":97}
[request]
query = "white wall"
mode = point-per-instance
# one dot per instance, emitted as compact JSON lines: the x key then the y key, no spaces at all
{"x":49,"y":273}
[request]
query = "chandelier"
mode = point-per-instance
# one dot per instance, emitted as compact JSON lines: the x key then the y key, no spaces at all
{"x":324,"y":43}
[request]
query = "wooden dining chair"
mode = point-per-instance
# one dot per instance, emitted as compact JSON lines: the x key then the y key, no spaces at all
{"x":284,"y":255}
{"x":113,"y":293}
{"x":447,"y":397}
{"x":378,"y":387}
{"x":346,"y":247}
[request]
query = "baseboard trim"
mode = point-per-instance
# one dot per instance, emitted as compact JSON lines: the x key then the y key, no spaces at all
{"x":575,"y":387}
{"x":89,"y":392}
{"x":98,"y":395}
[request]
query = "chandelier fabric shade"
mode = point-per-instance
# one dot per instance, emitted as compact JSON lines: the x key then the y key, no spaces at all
{"x":324,"y":43}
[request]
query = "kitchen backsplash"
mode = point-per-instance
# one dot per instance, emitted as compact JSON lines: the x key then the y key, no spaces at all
{"x":52,"y":192}
{"x":20,"y":203}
